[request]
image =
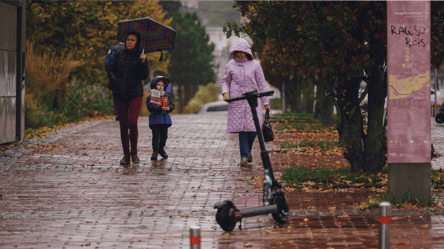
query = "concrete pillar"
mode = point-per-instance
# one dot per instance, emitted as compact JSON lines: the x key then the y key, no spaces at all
{"x":415,"y":177}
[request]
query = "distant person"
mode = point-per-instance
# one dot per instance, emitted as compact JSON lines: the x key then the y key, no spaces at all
{"x":111,"y":53}
{"x":159,"y":104}
{"x":243,"y":74}
{"x":127,"y":70}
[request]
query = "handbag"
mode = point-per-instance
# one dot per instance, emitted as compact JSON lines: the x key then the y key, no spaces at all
{"x":267,"y":131}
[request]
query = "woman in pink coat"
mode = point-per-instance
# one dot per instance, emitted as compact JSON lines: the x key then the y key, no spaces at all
{"x":243,"y":74}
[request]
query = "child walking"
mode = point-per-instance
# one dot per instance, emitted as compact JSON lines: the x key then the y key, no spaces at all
{"x":159,"y":104}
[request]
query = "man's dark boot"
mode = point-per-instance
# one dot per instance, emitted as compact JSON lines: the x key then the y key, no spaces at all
{"x":154,"y":156}
{"x":163,"y":153}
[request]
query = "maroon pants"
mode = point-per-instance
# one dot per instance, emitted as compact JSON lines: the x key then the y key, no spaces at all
{"x":128,"y":112}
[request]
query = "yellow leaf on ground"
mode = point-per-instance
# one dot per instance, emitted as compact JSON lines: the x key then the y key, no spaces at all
{"x":402,"y":243}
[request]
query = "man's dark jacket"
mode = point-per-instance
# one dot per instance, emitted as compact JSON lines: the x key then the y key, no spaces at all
{"x":126,"y":74}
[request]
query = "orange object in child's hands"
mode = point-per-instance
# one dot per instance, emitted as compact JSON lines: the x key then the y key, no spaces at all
{"x":164,"y":101}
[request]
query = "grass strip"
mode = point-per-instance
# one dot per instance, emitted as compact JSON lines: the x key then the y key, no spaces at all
{"x":304,"y":127}
{"x":293,"y":116}
{"x":302,"y":175}
{"x":405,"y":201}
{"x":323,"y":145}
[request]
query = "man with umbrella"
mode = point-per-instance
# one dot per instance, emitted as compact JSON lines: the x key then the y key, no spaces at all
{"x":127,"y":70}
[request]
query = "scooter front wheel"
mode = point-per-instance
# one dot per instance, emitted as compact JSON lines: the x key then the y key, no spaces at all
{"x":224,"y":217}
{"x":278,"y":198}
{"x":439,"y":118}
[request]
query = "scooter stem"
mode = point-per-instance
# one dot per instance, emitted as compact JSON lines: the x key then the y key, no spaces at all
{"x":252,"y":101}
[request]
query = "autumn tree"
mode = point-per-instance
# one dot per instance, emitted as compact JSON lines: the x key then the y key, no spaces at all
{"x":87,"y":29}
{"x":191,"y":60}
{"x":342,"y":43}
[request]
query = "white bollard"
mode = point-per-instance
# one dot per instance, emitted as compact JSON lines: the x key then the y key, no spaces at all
{"x":194,"y":237}
{"x":384,"y":225}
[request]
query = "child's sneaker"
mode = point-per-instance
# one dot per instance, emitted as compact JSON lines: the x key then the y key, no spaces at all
{"x":244,"y":162}
{"x":162,"y":153}
{"x":154,"y":156}
{"x":250,"y":157}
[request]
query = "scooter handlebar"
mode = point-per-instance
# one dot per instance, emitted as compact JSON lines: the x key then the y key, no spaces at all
{"x":257,"y":95}
{"x":267,"y":93}
{"x":235,"y":99}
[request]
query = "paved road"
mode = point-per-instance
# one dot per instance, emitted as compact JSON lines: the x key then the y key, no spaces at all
{"x":75,"y":194}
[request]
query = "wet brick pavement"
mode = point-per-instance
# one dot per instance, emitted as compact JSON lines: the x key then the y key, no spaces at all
{"x":75,"y":194}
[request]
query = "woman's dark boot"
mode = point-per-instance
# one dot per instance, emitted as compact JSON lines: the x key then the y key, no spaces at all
{"x":135,"y":158}
{"x":154,"y":156}
{"x":163,"y":153}
{"x":125,"y":159}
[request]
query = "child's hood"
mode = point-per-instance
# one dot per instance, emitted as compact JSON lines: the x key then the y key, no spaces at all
{"x":157,"y":79}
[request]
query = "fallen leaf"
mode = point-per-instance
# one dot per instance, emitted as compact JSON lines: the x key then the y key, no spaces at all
{"x":402,"y":243}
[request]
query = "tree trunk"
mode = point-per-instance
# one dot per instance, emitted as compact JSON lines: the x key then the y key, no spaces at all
{"x":327,"y":108}
{"x":320,"y":99}
{"x":290,"y":94}
{"x":324,"y":104}
{"x":298,"y":97}
{"x":180,"y":97}
{"x":375,"y":142}
{"x":308,"y":96}
{"x":351,"y":123}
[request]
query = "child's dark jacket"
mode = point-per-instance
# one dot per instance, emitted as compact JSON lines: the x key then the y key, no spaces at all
{"x":157,"y":116}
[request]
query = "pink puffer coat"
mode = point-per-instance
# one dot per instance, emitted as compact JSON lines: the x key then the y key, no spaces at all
{"x":240,"y":77}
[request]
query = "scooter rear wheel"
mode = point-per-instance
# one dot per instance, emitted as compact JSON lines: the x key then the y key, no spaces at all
{"x":224,"y":217}
{"x":439,"y":118}
{"x":281,"y":215}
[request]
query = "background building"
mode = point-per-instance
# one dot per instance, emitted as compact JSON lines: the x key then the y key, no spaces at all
{"x":213,"y":15}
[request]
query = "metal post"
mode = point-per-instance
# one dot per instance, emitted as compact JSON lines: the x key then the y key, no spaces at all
{"x":194,"y":237}
{"x":435,"y":81}
{"x":283,"y":97}
{"x":384,"y":225}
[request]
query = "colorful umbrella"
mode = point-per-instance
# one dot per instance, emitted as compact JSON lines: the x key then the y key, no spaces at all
{"x":155,"y":37}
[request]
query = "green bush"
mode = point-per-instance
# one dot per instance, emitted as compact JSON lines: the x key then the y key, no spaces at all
{"x":50,"y":99}
{"x":205,"y":94}
{"x":87,"y":101}
{"x":276,"y":104}
{"x":47,"y":83}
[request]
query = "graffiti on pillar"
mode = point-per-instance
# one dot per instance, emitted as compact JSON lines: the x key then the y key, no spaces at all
{"x":408,"y":71}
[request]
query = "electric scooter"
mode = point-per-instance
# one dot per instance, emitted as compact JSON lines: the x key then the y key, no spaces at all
{"x":273,"y":197}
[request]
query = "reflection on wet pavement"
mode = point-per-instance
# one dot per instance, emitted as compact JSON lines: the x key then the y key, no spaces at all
{"x":75,"y":194}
